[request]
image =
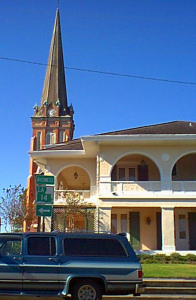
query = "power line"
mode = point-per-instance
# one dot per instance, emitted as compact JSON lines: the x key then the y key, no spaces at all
{"x":103,"y":72}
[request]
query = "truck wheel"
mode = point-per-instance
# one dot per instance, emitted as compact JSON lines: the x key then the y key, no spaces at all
{"x":86,"y":290}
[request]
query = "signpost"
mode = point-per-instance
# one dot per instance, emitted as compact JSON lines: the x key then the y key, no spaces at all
{"x":44,"y":196}
{"x":46,"y":180}
{"x":43,"y":210}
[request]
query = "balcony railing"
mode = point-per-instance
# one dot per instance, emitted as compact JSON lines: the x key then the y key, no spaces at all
{"x":184,"y":186}
{"x":59,"y":195}
{"x":124,"y":187}
{"x":136,"y":187}
{"x":130,"y":187}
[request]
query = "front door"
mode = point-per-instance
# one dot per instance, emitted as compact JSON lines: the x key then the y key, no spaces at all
{"x":135,"y":230}
{"x":11,"y":263}
{"x":192,"y":230}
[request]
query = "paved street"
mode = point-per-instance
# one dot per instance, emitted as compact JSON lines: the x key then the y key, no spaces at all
{"x":145,"y":297}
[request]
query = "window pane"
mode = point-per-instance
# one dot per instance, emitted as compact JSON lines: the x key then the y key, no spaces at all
{"x":131,"y":174}
{"x":45,"y":246}
{"x":38,"y":140}
{"x":121,"y":174}
{"x":114,"y":223}
{"x":123,"y":223}
{"x":53,"y":138}
{"x":48,"y":139}
{"x":93,"y":247}
{"x":10,"y":246}
{"x":61,"y":136}
{"x":182,"y":226}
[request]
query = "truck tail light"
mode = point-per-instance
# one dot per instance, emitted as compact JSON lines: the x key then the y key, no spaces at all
{"x":139,"y":273}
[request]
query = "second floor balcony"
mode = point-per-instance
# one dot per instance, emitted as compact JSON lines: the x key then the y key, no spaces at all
{"x":135,"y":175}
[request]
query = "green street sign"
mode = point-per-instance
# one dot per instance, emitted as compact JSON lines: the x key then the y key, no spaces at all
{"x":42,"y":179}
{"x":43,"y":210}
{"x":44,"y":194}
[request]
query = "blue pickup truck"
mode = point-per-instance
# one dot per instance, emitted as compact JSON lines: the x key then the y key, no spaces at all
{"x":86,"y":266}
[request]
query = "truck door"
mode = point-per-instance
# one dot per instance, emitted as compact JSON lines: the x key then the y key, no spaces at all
{"x":11,"y":263}
{"x":41,"y":264}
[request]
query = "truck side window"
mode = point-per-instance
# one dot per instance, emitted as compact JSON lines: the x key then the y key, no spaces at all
{"x":45,"y":246}
{"x":10,"y":246}
{"x":93,"y":247}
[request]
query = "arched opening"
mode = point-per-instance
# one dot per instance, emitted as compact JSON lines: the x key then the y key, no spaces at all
{"x":135,"y":172}
{"x":50,"y":138}
{"x":72,"y":210}
{"x":73,"y":178}
{"x":185,"y":168}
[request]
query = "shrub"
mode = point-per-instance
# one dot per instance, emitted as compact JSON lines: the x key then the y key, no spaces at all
{"x":177,"y":258}
{"x":146,"y":258}
{"x":190,"y":258}
{"x":174,"y":258}
{"x":161,"y":258}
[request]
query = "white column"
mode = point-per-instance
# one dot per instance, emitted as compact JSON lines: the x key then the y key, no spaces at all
{"x":105,"y":185}
{"x":166,"y":183}
{"x":168,"y":230}
{"x":48,"y":222}
{"x":105,"y":219}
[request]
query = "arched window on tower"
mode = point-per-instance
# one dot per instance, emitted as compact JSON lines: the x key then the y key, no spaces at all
{"x":50,"y":138}
{"x":38,"y":140}
{"x":61,"y":136}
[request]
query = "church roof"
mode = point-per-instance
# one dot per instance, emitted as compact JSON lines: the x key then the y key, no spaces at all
{"x":54,"y":85}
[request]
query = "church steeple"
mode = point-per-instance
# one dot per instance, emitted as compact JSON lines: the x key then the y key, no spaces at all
{"x":54,"y":91}
{"x":53,"y":120}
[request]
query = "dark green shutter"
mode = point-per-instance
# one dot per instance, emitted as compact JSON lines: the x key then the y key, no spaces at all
{"x":192,"y":230}
{"x":159,"y":231}
{"x":135,"y":230}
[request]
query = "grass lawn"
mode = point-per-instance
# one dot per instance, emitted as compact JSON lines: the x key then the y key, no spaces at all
{"x":169,"y":270}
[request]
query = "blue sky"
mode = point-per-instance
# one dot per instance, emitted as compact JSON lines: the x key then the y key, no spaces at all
{"x":149,"y":38}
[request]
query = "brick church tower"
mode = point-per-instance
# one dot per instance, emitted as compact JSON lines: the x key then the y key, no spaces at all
{"x":52,"y":122}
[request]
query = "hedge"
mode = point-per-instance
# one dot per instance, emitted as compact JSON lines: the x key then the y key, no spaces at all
{"x":174,"y":258}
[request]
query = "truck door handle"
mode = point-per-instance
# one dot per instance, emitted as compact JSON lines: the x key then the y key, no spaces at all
{"x":54,"y":259}
{"x":17,"y":258}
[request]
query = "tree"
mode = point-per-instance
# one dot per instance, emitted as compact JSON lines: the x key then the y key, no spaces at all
{"x":13,"y":208}
{"x":75,"y":207}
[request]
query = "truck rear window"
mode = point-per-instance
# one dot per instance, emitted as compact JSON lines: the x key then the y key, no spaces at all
{"x":93,"y":247}
{"x":44,"y":246}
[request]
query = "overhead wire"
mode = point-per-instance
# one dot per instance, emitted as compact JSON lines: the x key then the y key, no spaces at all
{"x":102,"y":72}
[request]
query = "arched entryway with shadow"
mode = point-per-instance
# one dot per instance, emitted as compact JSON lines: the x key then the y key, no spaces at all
{"x":135,"y":172}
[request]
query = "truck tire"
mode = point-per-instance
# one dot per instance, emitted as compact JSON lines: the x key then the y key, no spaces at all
{"x":86,"y":290}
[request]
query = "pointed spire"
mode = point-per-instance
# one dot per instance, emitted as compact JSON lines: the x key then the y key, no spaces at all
{"x":54,"y":90}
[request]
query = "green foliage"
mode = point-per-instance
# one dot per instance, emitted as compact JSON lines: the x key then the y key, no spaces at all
{"x":146,"y":259}
{"x":177,"y":258}
{"x":75,"y":207}
{"x":161,"y":258}
{"x":190,"y":258}
{"x":13,"y":207}
{"x":174,"y":258}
